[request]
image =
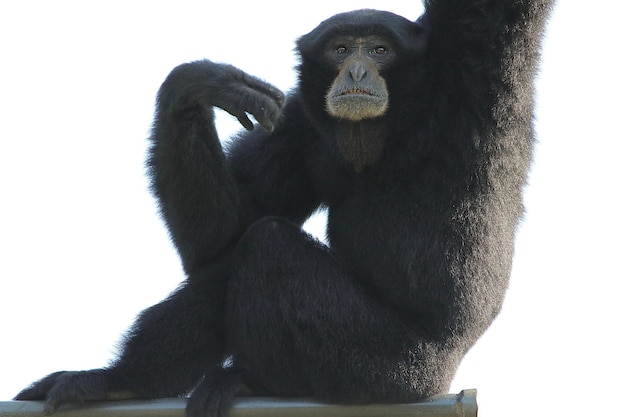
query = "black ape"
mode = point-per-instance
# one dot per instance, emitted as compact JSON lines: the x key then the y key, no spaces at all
{"x":417,"y":136}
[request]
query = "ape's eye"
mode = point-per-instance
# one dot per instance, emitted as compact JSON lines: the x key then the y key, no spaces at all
{"x":380,"y":50}
{"x":341,"y":50}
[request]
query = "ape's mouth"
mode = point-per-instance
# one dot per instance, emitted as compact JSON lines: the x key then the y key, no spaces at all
{"x":356,"y":104}
{"x":356,"y":91}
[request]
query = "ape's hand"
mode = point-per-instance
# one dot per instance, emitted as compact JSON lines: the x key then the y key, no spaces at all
{"x":211,"y":84}
{"x":67,"y":387}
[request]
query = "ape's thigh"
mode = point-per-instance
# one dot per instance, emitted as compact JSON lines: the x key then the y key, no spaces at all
{"x":300,"y":325}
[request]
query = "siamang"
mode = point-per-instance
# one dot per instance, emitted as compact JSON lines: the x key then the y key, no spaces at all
{"x":416,"y":136}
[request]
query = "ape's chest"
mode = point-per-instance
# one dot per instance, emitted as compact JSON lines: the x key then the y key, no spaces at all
{"x":381,"y":235}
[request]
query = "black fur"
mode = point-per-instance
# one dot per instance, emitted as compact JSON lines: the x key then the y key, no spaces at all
{"x":420,"y":240}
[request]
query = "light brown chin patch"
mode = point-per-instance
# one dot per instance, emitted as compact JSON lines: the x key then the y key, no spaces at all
{"x":356,"y":106}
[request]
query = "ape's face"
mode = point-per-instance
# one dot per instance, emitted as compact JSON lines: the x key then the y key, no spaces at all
{"x":347,"y":56}
{"x":359,"y":91}
{"x":351,"y":64}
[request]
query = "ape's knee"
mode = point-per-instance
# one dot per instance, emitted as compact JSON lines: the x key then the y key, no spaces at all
{"x":274,"y":252}
{"x":270,"y":230}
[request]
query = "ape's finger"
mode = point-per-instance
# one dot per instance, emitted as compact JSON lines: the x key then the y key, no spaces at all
{"x":266,"y":89}
{"x":50,"y":407}
{"x":245,"y":121}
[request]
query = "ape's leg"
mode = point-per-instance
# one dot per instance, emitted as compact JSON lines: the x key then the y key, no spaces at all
{"x":173,"y":343}
{"x":166,"y":352}
{"x":299,"y":324}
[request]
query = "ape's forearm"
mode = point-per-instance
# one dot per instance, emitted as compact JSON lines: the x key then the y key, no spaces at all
{"x":197,"y":194}
{"x":487,"y":53}
{"x":483,"y":33}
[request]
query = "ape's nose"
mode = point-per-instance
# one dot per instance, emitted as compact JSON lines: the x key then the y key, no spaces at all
{"x":357,"y":71}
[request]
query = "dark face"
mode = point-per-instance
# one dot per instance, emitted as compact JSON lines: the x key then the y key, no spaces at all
{"x":351,"y":64}
{"x":359,"y":91}
{"x":345,"y":60}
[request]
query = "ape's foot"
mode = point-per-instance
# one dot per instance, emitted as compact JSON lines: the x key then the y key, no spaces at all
{"x":67,"y":387}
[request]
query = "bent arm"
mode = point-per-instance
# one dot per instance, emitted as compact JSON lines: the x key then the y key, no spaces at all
{"x":206,"y":198}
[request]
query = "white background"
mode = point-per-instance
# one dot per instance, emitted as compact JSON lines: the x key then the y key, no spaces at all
{"x":82,"y":249}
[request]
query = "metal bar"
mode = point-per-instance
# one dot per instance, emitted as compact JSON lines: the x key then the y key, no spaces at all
{"x":462,"y":404}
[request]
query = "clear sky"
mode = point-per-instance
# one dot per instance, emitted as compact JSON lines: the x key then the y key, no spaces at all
{"x":82,"y":249}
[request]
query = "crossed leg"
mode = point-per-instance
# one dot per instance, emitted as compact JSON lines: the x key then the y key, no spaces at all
{"x":294,"y":318}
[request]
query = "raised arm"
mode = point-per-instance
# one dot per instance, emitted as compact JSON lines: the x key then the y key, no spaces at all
{"x":482,"y":33}
{"x":487,"y":52}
